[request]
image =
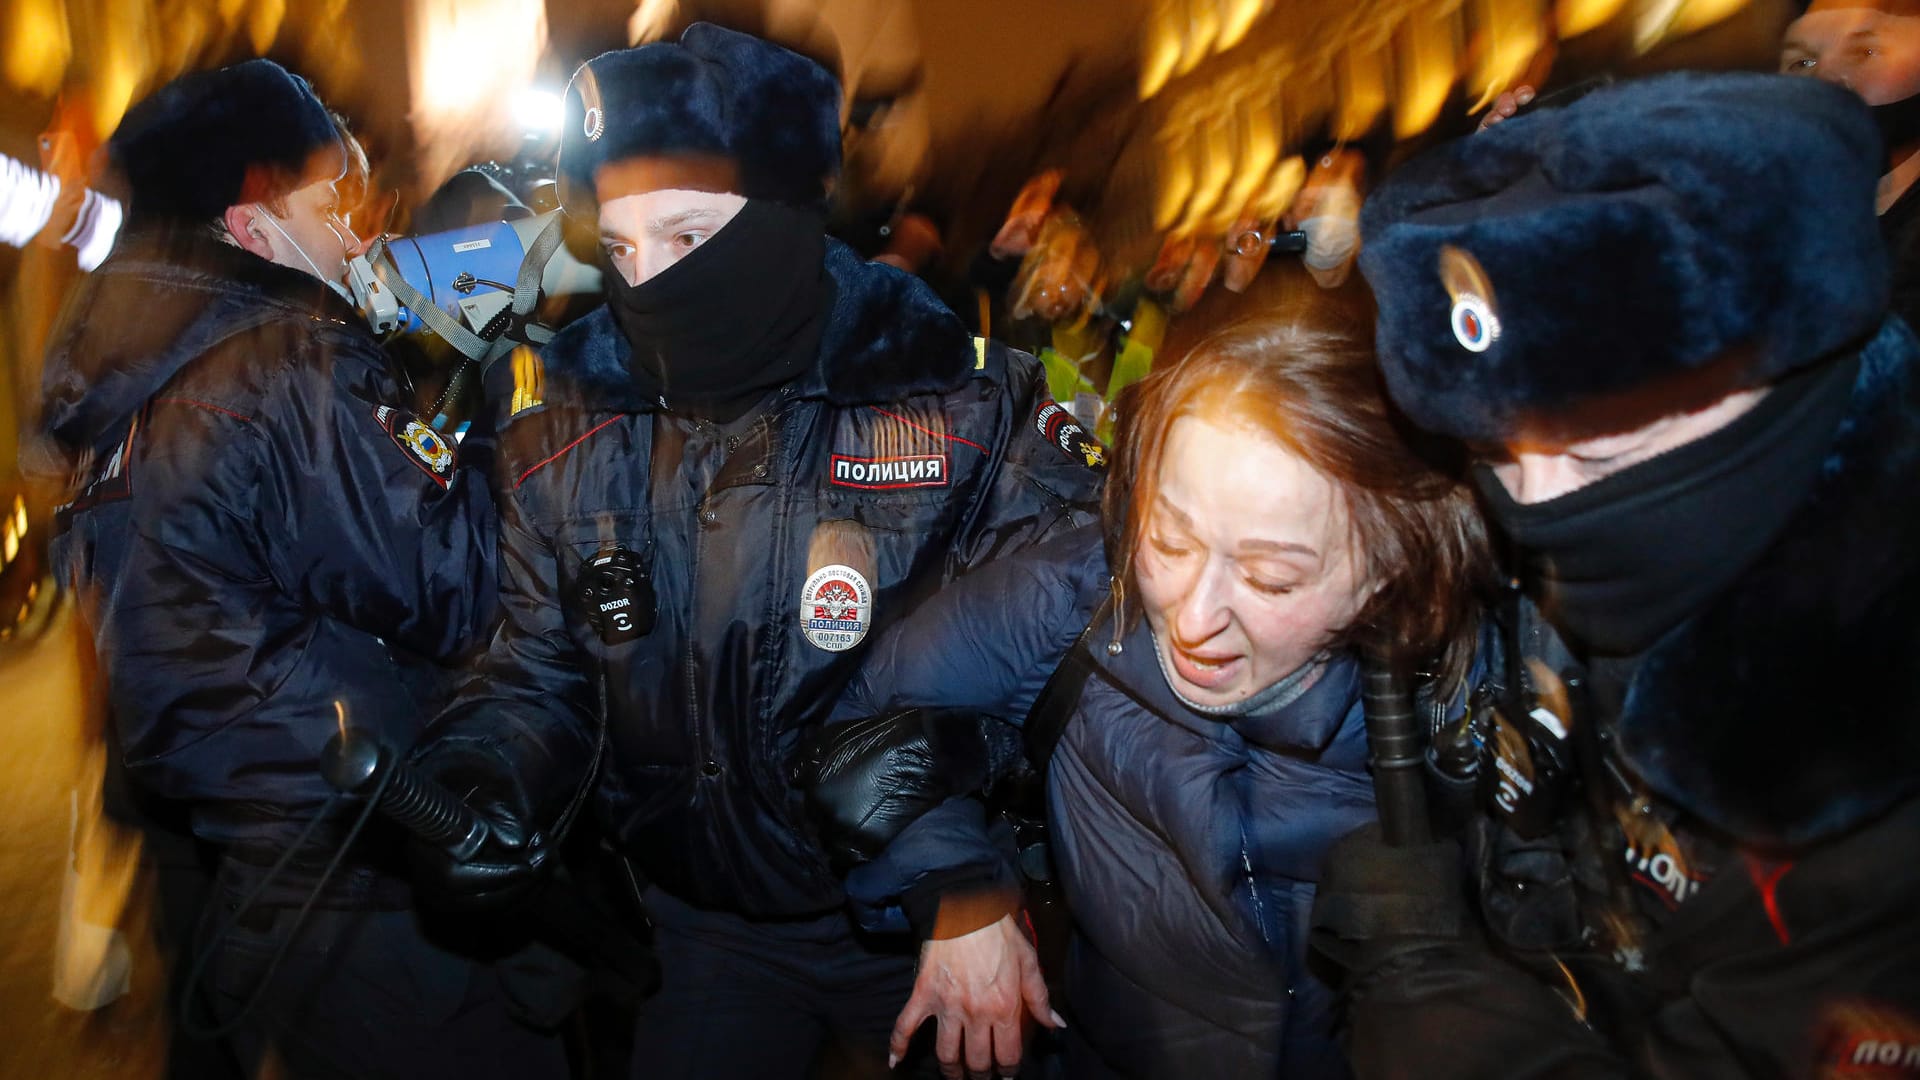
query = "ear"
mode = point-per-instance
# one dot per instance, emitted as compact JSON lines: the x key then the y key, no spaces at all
{"x":246,"y":231}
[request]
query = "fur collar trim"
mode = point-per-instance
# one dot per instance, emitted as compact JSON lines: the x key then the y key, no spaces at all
{"x":888,"y":337}
{"x":1789,"y":709}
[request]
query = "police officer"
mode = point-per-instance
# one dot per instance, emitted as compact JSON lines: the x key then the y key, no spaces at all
{"x":1660,"y":313}
{"x":256,"y":530}
{"x":1872,"y":47}
{"x":716,"y":488}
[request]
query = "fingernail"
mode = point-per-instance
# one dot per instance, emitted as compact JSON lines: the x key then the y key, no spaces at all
{"x":1057,"y":1021}
{"x":893,"y":1061}
{"x":1525,"y":95}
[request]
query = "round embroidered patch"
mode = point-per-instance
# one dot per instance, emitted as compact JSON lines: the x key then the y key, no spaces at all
{"x":1475,"y":326}
{"x":594,"y":125}
{"x":428,"y":445}
{"x":836,"y":608}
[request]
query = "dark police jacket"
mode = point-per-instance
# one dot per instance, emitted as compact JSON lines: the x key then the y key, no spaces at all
{"x":761,"y":558}
{"x":1736,"y":892}
{"x":256,"y":525}
{"x":1189,"y":844}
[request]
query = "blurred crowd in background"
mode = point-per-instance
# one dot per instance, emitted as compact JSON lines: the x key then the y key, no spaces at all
{"x":1100,"y":183}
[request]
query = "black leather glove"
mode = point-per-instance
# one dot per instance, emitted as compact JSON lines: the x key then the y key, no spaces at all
{"x":1376,"y":902}
{"x":510,"y":865}
{"x":867,"y":780}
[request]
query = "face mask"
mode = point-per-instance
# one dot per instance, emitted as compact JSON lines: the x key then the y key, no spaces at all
{"x":1620,"y":562}
{"x":737,"y":317}
{"x":332,"y":282}
{"x":1899,"y":123}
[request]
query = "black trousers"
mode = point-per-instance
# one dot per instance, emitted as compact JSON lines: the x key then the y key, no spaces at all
{"x":767,"y":1000}
{"x":363,"y":992}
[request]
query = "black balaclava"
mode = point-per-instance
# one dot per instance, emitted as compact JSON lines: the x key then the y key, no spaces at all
{"x":1899,"y":123}
{"x":1621,"y":561}
{"x":739,"y":316}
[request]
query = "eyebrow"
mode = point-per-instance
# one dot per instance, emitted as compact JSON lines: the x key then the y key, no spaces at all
{"x":681,"y":217}
{"x":1794,"y":43}
{"x":1278,"y":547}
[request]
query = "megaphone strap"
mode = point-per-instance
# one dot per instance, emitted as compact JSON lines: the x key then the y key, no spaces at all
{"x":437,"y":320}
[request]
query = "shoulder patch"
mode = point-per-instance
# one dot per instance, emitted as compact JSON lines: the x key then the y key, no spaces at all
{"x":1056,"y":425}
{"x":427,"y":448}
{"x":106,"y":481}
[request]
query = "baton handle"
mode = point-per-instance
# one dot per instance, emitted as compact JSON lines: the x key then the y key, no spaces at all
{"x":1397,"y":756}
{"x":355,"y":766}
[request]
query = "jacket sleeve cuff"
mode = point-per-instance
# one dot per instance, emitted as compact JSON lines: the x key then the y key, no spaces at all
{"x":960,"y":906}
{"x":956,"y":903}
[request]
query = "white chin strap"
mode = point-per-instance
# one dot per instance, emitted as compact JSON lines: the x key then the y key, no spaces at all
{"x":332,"y":283}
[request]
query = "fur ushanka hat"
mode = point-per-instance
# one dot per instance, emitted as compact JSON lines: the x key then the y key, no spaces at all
{"x":1643,"y":231}
{"x":774,"y":114}
{"x":213,"y":139}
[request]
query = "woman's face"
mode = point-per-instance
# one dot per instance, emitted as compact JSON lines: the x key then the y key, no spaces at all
{"x":1246,"y":563}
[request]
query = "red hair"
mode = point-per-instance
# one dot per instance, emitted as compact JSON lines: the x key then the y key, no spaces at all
{"x":1305,"y":374}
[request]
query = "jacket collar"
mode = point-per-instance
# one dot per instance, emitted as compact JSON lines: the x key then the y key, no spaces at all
{"x":1305,"y":724}
{"x":1785,"y":712}
{"x":888,"y":337}
{"x":164,"y":297}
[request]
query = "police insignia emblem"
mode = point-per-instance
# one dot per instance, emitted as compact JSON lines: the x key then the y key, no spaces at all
{"x":430,"y":450}
{"x":836,"y":608}
{"x":1476,"y":325}
{"x":593,"y":122}
{"x":1056,"y":425}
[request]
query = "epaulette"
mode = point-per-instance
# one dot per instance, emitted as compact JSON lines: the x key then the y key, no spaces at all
{"x":516,"y":385}
{"x":983,"y":349}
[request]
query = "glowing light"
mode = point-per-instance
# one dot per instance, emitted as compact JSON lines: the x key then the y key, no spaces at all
{"x":473,"y":60}
{"x":1163,"y":37}
{"x":1360,"y":74}
{"x":1203,"y":29}
{"x":38,"y":47}
{"x":1240,"y":17}
{"x":20,"y":515}
{"x":651,"y":20}
{"x":1260,"y":143}
{"x":1667,"y":19}
{"x":1282,"y":186}
{"x":26,"y":201}
{"x":1217,"y":164}
{"x":9,"y":543}
{"x":539,"y":111}
{"x":1509,"y":35}
{"x":1425,"y":70}
{"x":1576,"y":17}
{"x":1176,"y":177}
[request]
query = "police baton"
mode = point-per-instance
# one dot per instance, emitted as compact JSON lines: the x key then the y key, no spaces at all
{"x":360,"y":765}
{"x":1395,"y":752}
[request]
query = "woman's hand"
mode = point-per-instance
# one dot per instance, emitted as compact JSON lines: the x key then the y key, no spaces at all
{"x":977,"y":986}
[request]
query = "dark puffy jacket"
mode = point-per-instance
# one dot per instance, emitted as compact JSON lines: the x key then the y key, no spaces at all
{"x":256,"y":521}
{"x":768,"y":552}
{"x":1749,"y":907}
{"x":1188,"y":844}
